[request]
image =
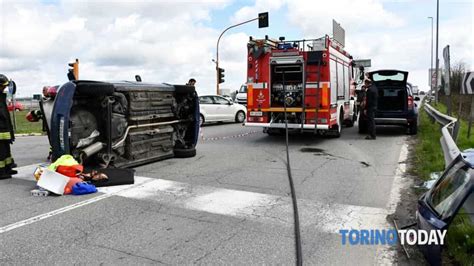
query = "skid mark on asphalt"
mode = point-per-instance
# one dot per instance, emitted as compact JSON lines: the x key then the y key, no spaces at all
{"x":259,"y":207}
{"x":322,"y":152}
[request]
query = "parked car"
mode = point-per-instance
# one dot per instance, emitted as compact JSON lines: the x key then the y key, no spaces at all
{"x":396,"y":102}
{"x":241,"y":96}
{"x":18,"y":106}
{"x":449,"y":205}
{"x":228,"y":97}
{"x":215,"y":108}
{"x":123,"y":124}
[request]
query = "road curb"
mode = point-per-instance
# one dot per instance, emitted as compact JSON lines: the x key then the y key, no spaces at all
{"x":29,"y":135}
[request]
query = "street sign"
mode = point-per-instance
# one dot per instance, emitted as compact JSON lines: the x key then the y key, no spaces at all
{"x":468,"y":83}
{"x":338,"y":33}
{"x":363,"y":62}
{"x":432,"y":77}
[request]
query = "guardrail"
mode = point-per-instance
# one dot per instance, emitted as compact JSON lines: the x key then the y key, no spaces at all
{"x":449,"y":130}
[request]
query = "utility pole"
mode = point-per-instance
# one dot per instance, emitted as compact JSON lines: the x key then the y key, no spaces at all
{"x":431,"y":66}
{"x":437,"y":59}
{"x":262,"y":23}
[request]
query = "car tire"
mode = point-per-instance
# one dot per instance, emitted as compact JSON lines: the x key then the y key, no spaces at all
{"x":413,"y":129}
{"x":240,"y":117}
{"x":184,"y":89}
{"x":184,"y":153}
{"x":95,"y":88}
{"x":201,"y":120}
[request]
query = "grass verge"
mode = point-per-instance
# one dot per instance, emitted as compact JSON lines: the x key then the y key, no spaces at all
{"x":23,"y":126}
{"x":429,"y":158}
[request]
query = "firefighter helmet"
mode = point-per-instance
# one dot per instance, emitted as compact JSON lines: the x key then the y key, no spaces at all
{"x":4,"y":80}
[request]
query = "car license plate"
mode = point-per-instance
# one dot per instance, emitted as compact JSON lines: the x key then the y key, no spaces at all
{"x":256,"y":113}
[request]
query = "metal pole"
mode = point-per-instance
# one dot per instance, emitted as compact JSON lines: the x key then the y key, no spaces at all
{"x":471,"y":117}
{"x":431,"y":66}
{"x":14,"y":113}
{"x":217,"y":50}
{"x":437,"y":60}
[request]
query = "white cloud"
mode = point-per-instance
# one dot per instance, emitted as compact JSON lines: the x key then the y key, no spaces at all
{"x":250,"y":12}
{"x":164,"y":41}
{"x":169,"y":41}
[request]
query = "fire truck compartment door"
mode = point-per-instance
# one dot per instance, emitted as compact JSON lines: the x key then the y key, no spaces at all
{"x":287,"y":60}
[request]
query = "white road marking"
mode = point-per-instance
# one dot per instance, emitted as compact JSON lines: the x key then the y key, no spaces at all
{"x":22,"y":175}
{"x":326,"y":217}
{"x":385,"y":255}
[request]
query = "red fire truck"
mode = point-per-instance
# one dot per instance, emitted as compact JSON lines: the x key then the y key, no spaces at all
{"x":311,"y":79}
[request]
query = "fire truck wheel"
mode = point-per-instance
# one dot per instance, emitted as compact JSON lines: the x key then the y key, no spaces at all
{"x":336,"y":130}
{"x":239,"y":117}
{"x":275,"y":132}
{"x":352,"y":119}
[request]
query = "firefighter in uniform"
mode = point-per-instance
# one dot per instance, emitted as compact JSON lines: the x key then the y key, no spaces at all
{"x":6,"y":133}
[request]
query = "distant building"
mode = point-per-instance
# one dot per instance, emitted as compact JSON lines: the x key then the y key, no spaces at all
{"x":225,"y":91}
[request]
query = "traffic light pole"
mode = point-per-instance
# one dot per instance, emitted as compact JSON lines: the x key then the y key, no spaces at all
{"x":217,"y":50}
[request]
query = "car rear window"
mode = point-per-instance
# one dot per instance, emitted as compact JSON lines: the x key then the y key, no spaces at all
{"x":450,"y":187}
{"x":394,"y":76}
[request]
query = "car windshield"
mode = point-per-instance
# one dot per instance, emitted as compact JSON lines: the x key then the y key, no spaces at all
{"x":450,"y":187}
{"x":243,"y":89}
{"x":392,"y":76}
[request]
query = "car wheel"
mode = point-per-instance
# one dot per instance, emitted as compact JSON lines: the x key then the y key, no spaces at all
{"x":240,"y":117}
{"x":413,"y":129}
{"x":184,"y":89}
{"x":95,"y":88}
{"x":201,"y":120}
{"x":185,"y":153}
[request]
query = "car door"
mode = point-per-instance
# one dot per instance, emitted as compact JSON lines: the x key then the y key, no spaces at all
{"x":208,"y":108}
{"x":224,"y":108}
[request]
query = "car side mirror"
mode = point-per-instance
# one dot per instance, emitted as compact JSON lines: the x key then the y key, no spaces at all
{"x":230,"y":103}
{"x":417,"y":98}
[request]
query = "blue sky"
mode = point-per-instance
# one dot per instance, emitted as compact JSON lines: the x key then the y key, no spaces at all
{"x":170,"y":41}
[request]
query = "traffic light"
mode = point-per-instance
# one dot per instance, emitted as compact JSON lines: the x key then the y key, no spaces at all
{"x":220,"y":75}
{"x":263,"y":20}
{"x":73,"y":72}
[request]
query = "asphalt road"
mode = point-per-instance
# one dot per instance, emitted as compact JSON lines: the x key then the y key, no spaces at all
{"x":228,"y":205}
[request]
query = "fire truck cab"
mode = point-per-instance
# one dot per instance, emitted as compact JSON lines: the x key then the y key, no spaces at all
{"x":312,"y":80}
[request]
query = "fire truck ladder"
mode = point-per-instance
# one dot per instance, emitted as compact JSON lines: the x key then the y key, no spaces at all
{"x":318,"y":72}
